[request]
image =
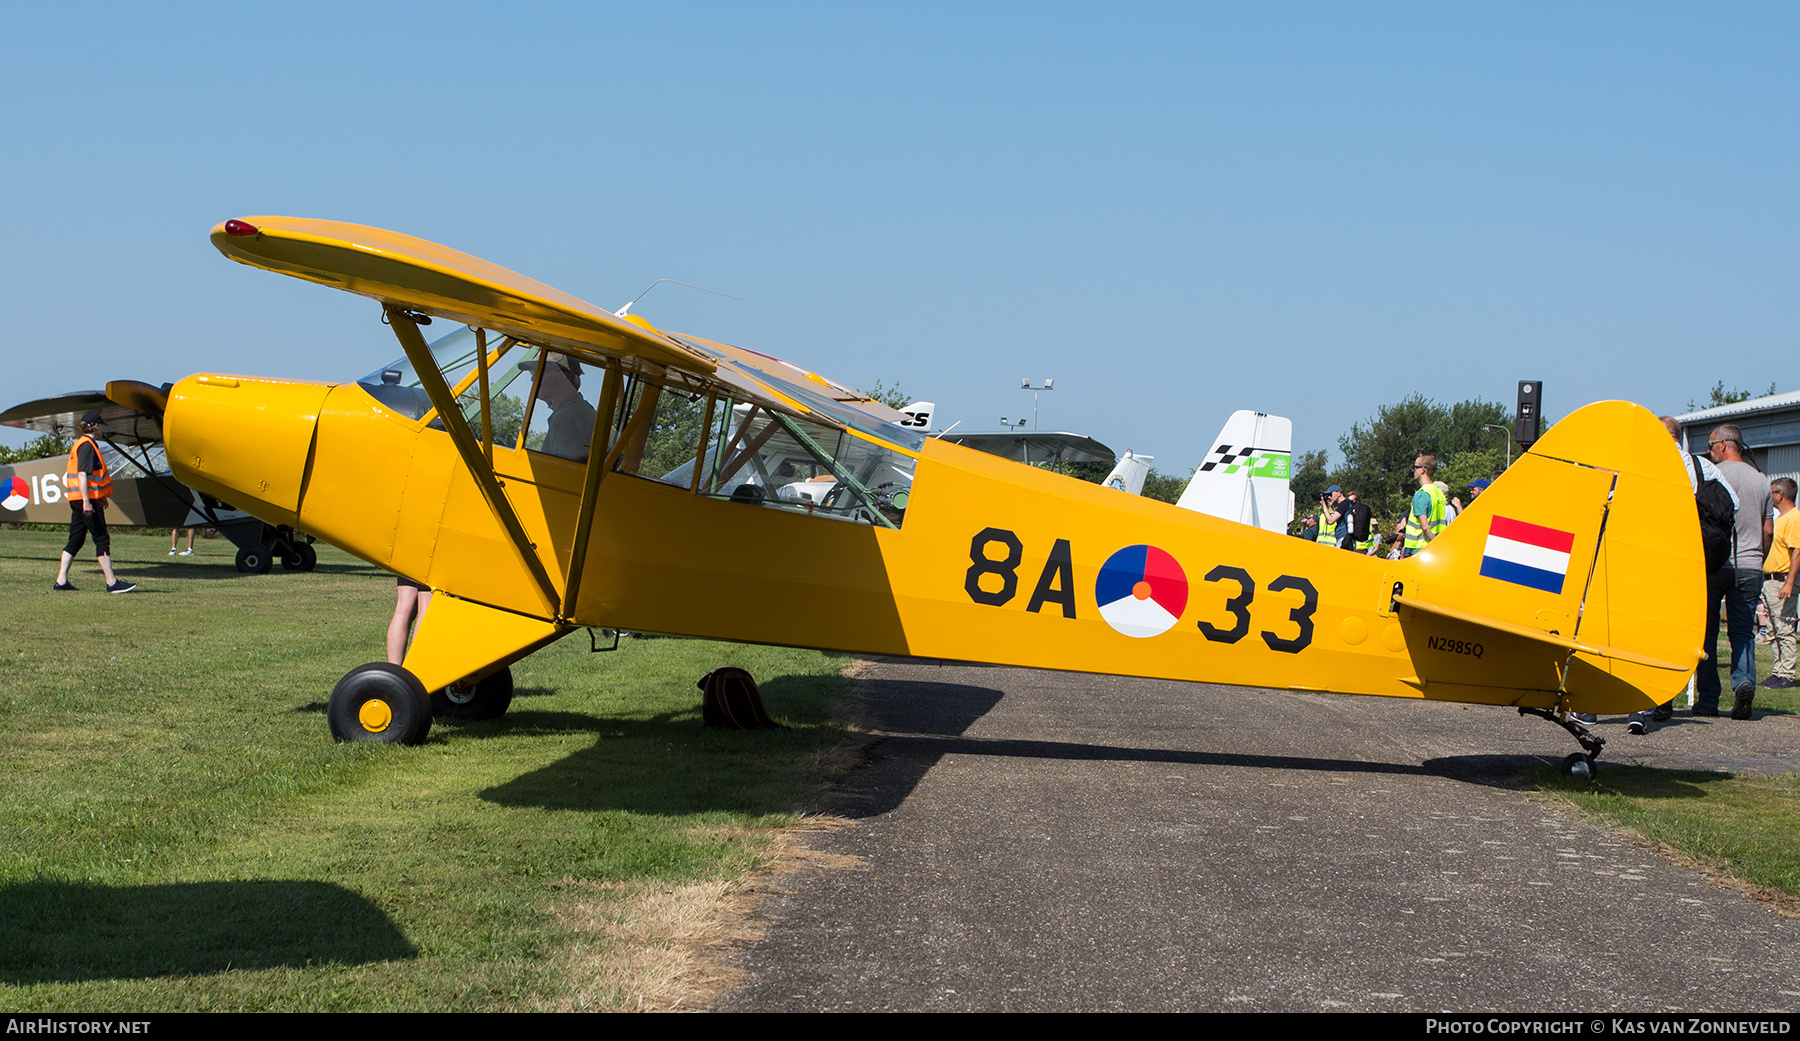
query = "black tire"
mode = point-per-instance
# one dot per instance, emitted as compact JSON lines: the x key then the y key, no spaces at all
{"x":291,"y":560}
{"x":488,"y":699}
{"x":1577,"y":766}
{"x":379,"y":702}
{"x":309,"y":557}
{"x":254,"y":560}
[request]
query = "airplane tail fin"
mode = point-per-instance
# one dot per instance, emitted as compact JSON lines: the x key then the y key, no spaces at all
{"x":918,"y":415}
{"x":1129,"y":475}
{"x":1245,"y":476}
{"x":1581,"y":565}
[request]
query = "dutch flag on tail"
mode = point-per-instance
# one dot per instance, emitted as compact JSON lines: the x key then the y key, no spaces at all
{"x":1527,"y":554}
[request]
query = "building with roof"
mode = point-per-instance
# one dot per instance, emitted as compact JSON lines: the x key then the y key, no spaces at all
{"x":1771,"y":427}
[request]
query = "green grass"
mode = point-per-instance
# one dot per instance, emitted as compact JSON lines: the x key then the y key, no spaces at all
{"x":1785,"y":702}
{"x":1744,"y":828}
{"x":1747,"y":828}
{"x":178,"y":831}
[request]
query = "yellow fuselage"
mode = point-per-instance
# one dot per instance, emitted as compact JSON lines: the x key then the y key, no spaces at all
{"x":995,"y":561}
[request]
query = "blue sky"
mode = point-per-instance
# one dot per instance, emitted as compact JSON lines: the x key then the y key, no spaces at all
{"x":1173,"y":210}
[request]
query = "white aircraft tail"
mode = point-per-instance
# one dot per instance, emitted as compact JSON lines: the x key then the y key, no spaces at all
{"x":1129,"y":475}
{"x":918,"y":415}
{"x":1245,"y":476}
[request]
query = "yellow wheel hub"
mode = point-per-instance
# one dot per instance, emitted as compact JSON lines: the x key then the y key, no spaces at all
{"x":375,"y":715}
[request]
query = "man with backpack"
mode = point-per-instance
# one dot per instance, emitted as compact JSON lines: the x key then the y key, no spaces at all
{"x":1717,"y":505}
{"x":1739,"y":582}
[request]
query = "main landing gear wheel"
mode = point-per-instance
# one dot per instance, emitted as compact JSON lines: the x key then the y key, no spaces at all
{"x":299,"y":557}
{"x":380,"y":702}
{"x":487,"y":699}
{"x":254,"y":560}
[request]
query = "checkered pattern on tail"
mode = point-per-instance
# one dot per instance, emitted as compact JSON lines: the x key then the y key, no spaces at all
{"x":1224,"y":456}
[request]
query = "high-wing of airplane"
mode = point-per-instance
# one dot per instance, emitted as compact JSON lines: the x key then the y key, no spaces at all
{"x":1044,"y":447}
{"x":1573,"y":585}
{"x":145,"y":493}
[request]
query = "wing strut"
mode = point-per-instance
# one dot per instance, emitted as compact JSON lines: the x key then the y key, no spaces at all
{"x":590,"y":488}
{"x":407,"y":331}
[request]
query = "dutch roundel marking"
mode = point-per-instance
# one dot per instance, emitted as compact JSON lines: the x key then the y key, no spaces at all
{"x":18,"y":493}
{"x":1142,"y":591}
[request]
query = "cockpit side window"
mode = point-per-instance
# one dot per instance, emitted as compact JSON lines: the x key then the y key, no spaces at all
{"x":772,"y":459}
{"x":665,"y":426}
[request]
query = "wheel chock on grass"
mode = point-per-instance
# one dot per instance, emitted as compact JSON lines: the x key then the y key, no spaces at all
{"x":730,"y":701}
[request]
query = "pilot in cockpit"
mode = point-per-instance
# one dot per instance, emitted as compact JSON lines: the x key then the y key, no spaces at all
{"x":571,"y":423}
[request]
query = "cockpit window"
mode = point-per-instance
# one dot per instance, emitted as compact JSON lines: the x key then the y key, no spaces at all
{"x":396,"y":385}
{"x":770,"y":459}
{"x":660,"y":426}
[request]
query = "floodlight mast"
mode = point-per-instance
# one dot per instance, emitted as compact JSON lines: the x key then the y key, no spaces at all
{"x":1025,"y":384}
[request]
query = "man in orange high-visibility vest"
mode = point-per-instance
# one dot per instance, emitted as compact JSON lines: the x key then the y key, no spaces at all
{"x":87,"y":486}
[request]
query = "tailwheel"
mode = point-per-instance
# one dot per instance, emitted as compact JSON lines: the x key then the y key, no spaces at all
{"x":487,"y":698}
{"x":1582,"y":766}
{"x":380,"y":702}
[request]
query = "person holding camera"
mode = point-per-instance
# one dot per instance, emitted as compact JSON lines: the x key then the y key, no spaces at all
{"x":1331,"y":517}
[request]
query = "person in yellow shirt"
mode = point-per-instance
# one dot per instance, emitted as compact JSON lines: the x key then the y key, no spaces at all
{"x":1778,"y":581}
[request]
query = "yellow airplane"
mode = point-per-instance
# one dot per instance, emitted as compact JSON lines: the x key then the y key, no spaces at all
{"x":655,"y":502}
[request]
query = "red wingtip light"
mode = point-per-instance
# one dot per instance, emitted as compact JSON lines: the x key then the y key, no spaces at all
{"x":239,"y":228}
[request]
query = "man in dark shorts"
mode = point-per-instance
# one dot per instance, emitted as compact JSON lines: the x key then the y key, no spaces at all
{"x":88,"y":486}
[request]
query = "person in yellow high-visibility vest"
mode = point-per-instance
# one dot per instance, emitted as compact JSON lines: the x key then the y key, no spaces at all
{"x":88,"y":486}
{"x":1425,"y":519}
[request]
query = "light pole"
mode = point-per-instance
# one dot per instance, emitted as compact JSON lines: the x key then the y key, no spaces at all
{"x":1025,"y":384}
{"x":1508,"y":433}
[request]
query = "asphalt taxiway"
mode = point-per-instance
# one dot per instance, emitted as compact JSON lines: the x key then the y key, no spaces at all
{"x":1024,"y":840}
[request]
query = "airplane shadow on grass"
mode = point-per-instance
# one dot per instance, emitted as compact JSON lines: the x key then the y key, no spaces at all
{"x":669,"y":763}
{"x":73,"y":931}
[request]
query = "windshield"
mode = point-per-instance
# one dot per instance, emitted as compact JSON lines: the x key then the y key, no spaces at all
{"x":396,"y":384}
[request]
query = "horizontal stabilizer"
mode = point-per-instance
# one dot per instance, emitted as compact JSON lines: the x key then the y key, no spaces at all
{"x":1541,"y":636}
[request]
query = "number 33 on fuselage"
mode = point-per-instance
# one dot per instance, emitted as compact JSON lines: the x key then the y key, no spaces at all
{"x":1015,"y":565}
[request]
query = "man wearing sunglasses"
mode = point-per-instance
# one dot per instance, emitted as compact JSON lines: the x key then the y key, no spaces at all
{"x":1425,"y":520}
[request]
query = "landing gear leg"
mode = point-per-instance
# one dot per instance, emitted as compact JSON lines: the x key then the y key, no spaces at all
{"x":1579,"y":765}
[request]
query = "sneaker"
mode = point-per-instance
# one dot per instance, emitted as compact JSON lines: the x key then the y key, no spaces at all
{"x":1662,"y":713}
{"x":1746,"y":693}
{"x":1778,"y":682}
{"x":188,"y":552}
{"x":171,"y":553}
{"x":1586,"y":717}
{"x":63,"y":587}
{"x":121,"y":587}
{"x":1635,"y":725}
{"x":1704,"y":710}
